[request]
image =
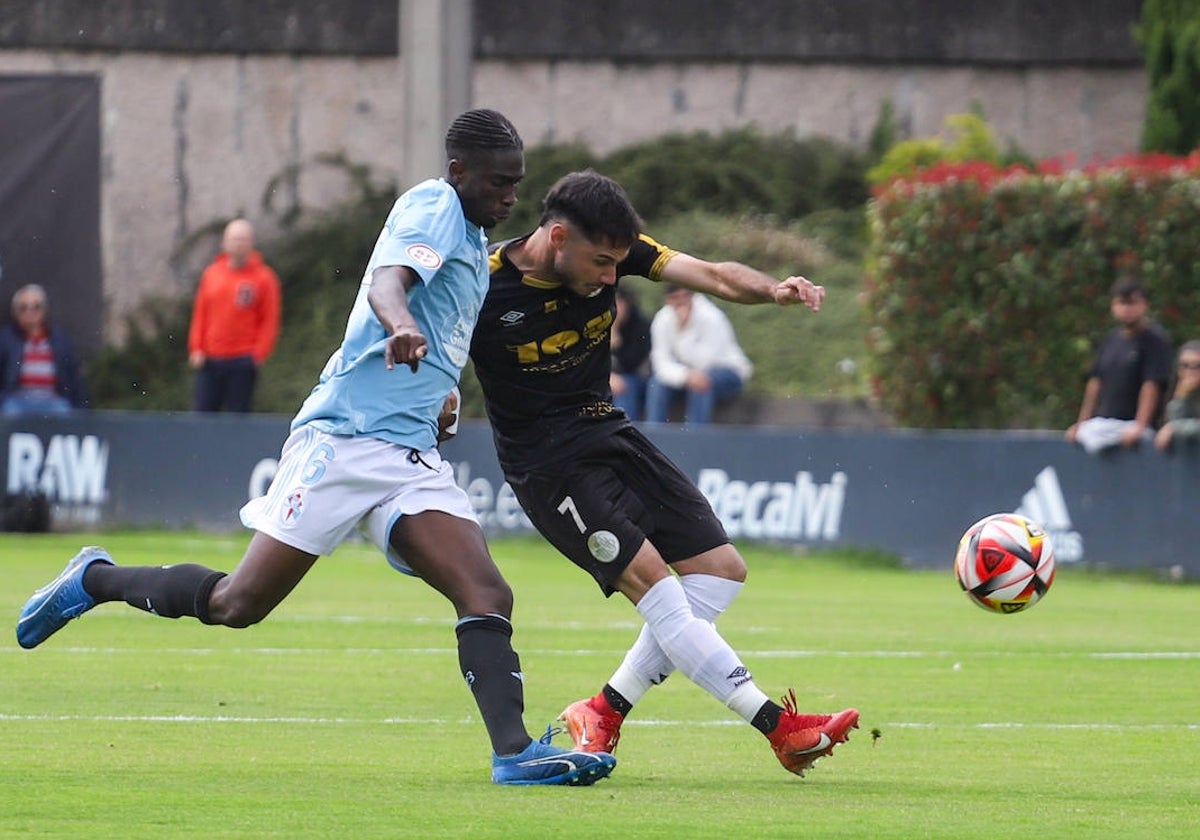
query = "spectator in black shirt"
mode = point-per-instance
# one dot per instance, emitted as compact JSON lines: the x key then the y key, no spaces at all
{"x":1123,"y":399}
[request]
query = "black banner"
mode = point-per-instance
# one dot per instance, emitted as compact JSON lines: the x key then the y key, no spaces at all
{"x":50,"y":198}
{"x":909,"y":493}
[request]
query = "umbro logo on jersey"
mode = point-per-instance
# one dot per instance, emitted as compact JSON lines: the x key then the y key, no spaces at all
{"x":512,"y":317}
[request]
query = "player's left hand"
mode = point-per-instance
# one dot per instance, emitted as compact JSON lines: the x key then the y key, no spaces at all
{"x":799,"y":290}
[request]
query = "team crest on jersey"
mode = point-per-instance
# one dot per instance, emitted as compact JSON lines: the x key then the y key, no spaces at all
{"x":245,"y":296}
{"x":294,"y":507}
{"x":424,"y":256}
{"x":456,"y":332}
{"x":604,"y":546}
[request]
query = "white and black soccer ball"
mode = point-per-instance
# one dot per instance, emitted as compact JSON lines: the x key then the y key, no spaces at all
{"x":1005,"y":563}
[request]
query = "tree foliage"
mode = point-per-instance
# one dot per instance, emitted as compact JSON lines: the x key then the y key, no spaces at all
{"x":1169,"y":34}
{"x":988,"y":286}
{"x":965,"y":137}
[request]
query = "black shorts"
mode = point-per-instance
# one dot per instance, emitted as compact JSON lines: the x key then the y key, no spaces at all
{"x":598,"y":508}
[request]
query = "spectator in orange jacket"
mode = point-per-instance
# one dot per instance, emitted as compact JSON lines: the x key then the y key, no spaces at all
{"x":235,"y":322}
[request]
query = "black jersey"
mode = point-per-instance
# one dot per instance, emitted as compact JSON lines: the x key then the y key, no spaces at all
{"x":541,"y":354}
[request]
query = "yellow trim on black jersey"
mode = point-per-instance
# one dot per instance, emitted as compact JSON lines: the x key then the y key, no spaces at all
{"x":661,"y":261}
{"x":496,"y":261}
{"x":539,"y":284}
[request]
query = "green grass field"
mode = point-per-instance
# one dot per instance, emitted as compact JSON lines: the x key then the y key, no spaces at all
{"x":343,"y":715}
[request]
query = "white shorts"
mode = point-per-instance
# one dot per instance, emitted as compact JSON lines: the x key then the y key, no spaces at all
{"x":326,"y":486}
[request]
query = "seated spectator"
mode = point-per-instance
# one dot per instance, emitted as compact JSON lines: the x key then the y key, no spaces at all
{"x":1122,"y":401}
{"x":630,"y":342}
{"x":1183,"y":411}
{"x":39,"y":369}
{"x":695,"y":355}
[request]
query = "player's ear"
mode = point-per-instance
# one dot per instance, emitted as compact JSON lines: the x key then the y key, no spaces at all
{"x":455,"y":171}
{"x":559,"y":233}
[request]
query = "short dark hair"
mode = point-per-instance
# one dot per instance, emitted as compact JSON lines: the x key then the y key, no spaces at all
{"x":596,"y":204}
{"x":481,"y":130}
{"x":1127,"y":286}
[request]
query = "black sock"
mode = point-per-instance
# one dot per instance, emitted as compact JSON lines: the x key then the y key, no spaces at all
{"x":493,"y":671}
{"x":767,"y":718}
{"x":169,"y":591}
{"x":620,"y":705}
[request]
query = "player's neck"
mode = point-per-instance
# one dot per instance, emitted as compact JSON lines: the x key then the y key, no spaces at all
{"x":533,"y":255}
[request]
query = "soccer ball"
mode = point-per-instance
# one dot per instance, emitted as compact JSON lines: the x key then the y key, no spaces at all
{"x":1005,"y":562}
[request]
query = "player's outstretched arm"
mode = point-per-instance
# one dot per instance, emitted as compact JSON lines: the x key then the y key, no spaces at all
{"x":389,"y":301}
{"x":739,"y":283}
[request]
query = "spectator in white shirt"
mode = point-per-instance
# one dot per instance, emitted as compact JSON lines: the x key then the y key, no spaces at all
{"x":694,"y":355}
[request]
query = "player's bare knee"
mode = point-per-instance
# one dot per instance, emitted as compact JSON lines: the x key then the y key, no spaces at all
{"x":724,"y":561}
{"x":497,"y":597}
{"x":232,"y":610}
{"x":491,"y":596}
{"x":734,"y":570}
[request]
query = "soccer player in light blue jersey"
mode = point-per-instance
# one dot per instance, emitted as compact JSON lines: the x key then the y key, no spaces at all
{"x":362,"y":452}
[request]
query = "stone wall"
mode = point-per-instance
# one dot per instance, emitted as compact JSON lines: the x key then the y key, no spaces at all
{"x":925,"y":31}
{"x":214,"y":109}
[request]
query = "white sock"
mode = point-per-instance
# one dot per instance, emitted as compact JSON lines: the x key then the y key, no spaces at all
{"x":645,"y":664}
{"x":697,"y":649}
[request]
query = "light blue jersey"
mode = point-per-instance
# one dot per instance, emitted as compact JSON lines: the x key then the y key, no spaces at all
{"x":357,"y":395}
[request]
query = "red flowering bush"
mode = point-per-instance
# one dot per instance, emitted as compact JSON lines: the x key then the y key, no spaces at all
{"x":987,"y":286}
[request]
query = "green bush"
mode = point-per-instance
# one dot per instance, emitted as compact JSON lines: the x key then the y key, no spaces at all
{"x":1169,"y":33}
{"x":987,"y":288}
{"x":967,"y":137}
{"x":149,"y":371}
{"x":735,"y":172}
{"x":764,"y":182}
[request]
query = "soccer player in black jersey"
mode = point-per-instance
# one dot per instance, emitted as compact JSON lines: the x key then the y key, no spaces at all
{"x":593,"y":485}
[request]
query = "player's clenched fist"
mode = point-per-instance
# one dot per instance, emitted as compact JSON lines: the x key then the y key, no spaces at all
{"x":799,"y":290}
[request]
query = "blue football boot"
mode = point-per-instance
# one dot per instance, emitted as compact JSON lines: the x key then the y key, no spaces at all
{"x":62,"y":599}
{"x":543,"y":764}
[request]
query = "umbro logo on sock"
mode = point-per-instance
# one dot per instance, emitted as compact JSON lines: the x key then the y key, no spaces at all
{"x":739,"y":676}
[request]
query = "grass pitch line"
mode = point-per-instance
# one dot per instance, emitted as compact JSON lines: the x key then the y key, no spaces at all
{"x":467,"y":721}
{"x":748,"y":654}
